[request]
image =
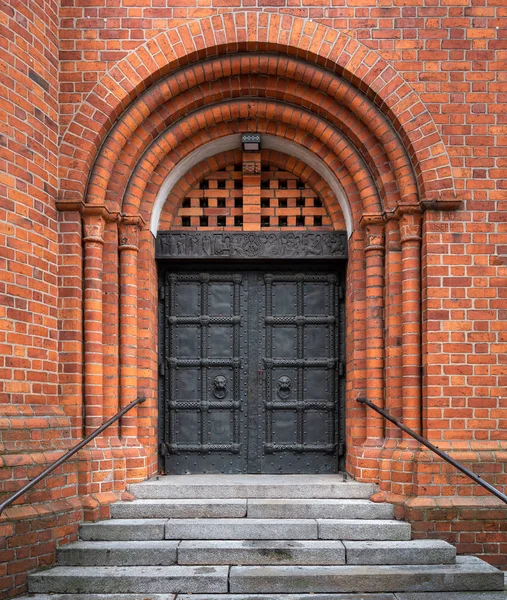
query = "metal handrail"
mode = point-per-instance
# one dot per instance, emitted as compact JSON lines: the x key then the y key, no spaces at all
{"x":477,"y":478}
{"x":69,"y":454}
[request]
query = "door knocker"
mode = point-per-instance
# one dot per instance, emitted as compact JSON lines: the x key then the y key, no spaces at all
{"x":220,"y":387}
{"x":284,"y":386}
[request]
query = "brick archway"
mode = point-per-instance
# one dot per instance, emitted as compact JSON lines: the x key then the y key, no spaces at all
{"x":306,"y":86}
{"x":256,"y":32}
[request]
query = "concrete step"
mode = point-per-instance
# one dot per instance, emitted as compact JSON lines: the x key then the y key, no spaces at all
{"x":130,"y":580}
{"x":179,"y":509}
{"x":314,"y":552}
{"x":241,"y":529}
{"x":245,"y":529}
{"x":413,"y":552}
{"x":251,"y":486}
{"x":259,"y":552}
{"x":468,"y":574}
{"x":359,"y":596}
{"x":107,"y":597}
{"x":123,"y":530}
{"x":365,"y":529}
{"x":89,"y":554}
{"x":318,"y":509}
{"x":451,"y":596}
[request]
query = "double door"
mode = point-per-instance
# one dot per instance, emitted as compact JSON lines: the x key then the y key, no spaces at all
{"x":251,"y":371}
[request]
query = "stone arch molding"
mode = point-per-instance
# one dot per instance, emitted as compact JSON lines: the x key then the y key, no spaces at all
{"x":378,"y":87}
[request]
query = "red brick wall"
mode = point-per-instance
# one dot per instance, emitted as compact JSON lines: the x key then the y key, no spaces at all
{"x":33,"y":426}
{"x":79,"y":70}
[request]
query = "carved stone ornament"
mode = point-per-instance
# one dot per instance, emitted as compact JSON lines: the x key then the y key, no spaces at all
{"x":128,"y":236}
{"x":244,"y":245}
{"x":93,"y":228}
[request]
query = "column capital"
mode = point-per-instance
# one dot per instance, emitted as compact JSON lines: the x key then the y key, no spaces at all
{"x":94,"y":219}
{"x":128,"y":229}
{"x":410,"y":227}
{"x":374,"y":227}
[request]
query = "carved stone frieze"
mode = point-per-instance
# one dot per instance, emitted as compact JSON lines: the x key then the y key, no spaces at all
{"x":244,"y":245}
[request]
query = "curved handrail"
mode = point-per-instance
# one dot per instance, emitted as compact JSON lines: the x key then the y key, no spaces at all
{"x":69,"y":454}
{"x":477,"y":478}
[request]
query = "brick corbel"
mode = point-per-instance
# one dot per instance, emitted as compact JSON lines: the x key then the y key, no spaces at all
{"x":441,"y":203}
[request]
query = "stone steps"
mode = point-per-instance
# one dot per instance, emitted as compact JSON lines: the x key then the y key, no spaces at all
{"x":360,"y":596}
{"x":259,"y":538}
{"x":306,"y":508}
{"x":251,"y":486}
{"x":127,"y":553}
{"x":255,"y":552}
{"x":245,"y":529}
{"x":468,"y":574}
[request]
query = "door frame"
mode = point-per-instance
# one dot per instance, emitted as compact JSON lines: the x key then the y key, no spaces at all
{"x":292,"y":250}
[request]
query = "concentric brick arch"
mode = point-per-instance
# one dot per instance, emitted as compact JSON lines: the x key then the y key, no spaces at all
{"x":258,"y":32}
{"x":292,"y":80}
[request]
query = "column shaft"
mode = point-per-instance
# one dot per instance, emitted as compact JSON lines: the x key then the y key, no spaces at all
{"x":374,"y":252}
{"x":93,"y":240}
{"x":410,"y":229}
{"x":128,"y":251}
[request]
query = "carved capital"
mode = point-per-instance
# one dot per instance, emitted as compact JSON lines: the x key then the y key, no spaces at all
{"x":375,"y":236}
{"x":128,"y":232}
{"x":410,"y":227}
{"x":94,"y":220}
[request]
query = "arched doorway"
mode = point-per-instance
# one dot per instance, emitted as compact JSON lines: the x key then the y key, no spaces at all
{"x":251,"y":319}
{"x":316,"y":96}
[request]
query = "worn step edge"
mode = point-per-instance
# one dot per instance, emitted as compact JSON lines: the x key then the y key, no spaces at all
{"x":318,"y":508}
{"x":411,"y":552}
{"x":363,"y":529}
{"x":451,"y":596}
{"x":123,"y":530}
{"x":251,"y":486}
{"x":261,"y":552}
{"x":123,"y":553}
{"x":105,"y":597}
{"x":180,"y":508}
{"x":359,"y":596}
{"x":131,"y":580}
{"x":233,"y":529}
{"x":468,"y":574}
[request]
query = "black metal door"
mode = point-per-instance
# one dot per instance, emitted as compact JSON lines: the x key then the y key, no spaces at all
{"x":252,"y":376}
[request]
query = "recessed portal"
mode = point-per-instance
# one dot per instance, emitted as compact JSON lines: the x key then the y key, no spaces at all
{"x":252,"y":371}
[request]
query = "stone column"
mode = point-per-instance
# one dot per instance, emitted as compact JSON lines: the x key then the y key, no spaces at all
{"x":94,"y":219}
{"x":374,"y":256}
{"x":410,"y":230}
{"x":128,"y":247}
